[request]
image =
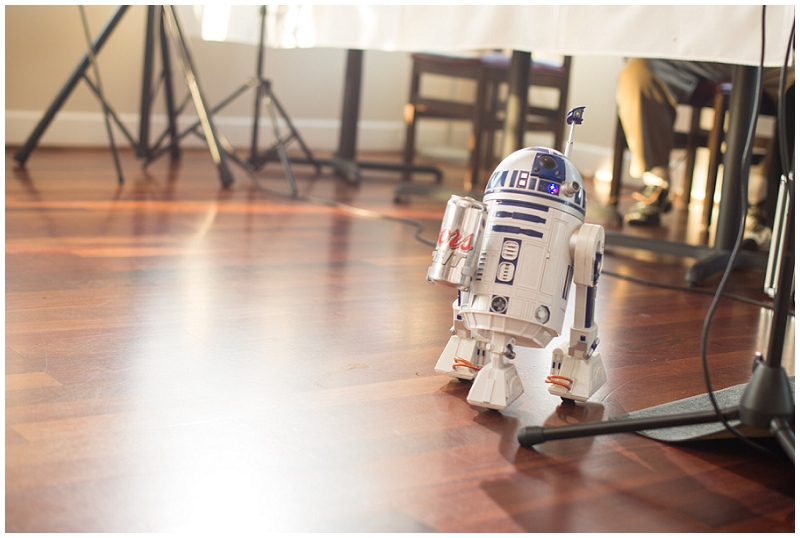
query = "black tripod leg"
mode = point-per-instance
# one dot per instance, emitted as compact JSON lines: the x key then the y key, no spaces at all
{"x":287,"y":167}
{"x":218,"y":154}
{"x":295,"y":134}
{"x":533,"y":435}
{"x":111,"y":112}
{"x":147,"y":83}
{"x":169,"y":96}
{"x":157,"y":153}
{"x":260,"y":89}
{"x":782,"y":431}
{"x":106,"y":110}
{"x":24,"y":152}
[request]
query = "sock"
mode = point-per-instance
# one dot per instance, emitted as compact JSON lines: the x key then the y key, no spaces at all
{"x":657,"y":176}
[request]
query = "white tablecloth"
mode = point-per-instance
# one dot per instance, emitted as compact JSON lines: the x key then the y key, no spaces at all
{"x":729,"y":34}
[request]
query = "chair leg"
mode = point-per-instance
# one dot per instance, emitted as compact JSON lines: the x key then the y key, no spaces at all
{"x":691,"y":156}
{"x":560,"y":125}
{"x":620,"y":144}
{"x":478,"y":157}
{"x":411,"y":131}
{"x":410,"y":113}
{"x":715,"y":155}
{"x":493,"y":98}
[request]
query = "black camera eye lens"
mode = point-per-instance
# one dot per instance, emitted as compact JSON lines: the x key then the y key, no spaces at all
{"x":547,"y":162}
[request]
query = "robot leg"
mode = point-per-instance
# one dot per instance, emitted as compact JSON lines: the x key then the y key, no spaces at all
{"x":575,"y":378}
{"x":465,"y":352}
{"x":497,"y":384}
{"x":462,"y":357}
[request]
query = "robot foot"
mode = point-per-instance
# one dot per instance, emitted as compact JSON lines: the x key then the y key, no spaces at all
{"x":495,"y":387}
{"x":577,"y":379}
{"x":454,"y":360}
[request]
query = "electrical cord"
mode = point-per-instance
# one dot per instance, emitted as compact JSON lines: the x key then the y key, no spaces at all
{"x":735,"y":251}
{"x":783,"y":139}
{"x":653,"y":283}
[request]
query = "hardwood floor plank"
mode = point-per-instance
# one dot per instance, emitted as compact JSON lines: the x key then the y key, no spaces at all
{"x":186,"y":358}
{"x":29,"y":380}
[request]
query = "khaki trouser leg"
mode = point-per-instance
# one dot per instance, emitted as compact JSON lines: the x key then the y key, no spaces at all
{"x":647,"y":113}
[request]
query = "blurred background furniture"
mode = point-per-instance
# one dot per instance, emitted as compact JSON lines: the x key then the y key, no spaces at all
{"x":708,"y":95}
{"x":486,"y":110}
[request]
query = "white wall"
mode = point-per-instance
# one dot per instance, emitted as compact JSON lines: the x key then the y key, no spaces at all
{"x":45,"y":43}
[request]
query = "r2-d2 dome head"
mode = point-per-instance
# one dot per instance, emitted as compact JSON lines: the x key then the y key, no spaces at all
{"x":541,"y":173}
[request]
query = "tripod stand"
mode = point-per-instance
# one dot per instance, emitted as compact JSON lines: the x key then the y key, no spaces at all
{"x":343,"y":162}
{"x":168,"y":23}
{"x":265,"y":95}
{"x":767,"y":402}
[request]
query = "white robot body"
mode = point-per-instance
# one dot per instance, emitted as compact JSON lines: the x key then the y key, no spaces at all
{"x":525,"y":269}
{"x":514,"y":288}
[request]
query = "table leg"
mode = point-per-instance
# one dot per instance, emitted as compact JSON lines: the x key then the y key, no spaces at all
{"x":344,"y":162}
{"x":517,"y":103}
{"x":744,"y":99}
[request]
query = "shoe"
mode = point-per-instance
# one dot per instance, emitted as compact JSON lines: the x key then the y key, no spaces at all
{"x":757,"y":231}
{"x":651,"y":202}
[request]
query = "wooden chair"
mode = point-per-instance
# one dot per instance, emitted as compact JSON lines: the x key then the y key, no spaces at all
{"x":485,"y":112}
{"x":760,"y":144}
{"x":539,"y":118}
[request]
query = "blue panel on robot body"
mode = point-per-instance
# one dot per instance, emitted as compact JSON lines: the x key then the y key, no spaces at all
{"x":526,"y":263}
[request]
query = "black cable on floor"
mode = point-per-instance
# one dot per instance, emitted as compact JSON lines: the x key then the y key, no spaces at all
{"x":419,"y":229}
{"x":688,"y":289}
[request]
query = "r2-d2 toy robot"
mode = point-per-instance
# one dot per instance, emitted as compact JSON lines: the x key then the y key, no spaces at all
{"x":513,"y":258}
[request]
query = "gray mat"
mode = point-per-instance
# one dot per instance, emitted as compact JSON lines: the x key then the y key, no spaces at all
{"x":715,"y":430}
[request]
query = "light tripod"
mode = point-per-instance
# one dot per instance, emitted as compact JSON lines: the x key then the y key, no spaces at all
{"x":168,"y":22}
{"x":266,"y":96}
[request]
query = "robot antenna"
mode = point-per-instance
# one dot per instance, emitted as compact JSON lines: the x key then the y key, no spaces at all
{"x":574,"y":117}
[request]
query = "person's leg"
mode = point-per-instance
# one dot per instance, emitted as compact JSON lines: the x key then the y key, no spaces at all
{"x":646,"y":110}
{"x":647,"y":113}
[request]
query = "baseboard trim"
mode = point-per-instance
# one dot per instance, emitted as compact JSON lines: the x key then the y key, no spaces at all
{"x":435,"y":139}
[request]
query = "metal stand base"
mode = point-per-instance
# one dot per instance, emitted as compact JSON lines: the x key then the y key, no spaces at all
{"x":767,"y":402}
{"x":710,"y":261}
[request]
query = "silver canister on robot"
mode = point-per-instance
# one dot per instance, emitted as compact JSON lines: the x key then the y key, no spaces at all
{"x":454,"y":260}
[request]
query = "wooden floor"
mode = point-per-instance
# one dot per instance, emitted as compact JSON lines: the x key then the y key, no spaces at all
{"x":182,"y":357}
